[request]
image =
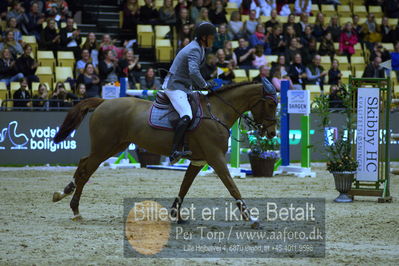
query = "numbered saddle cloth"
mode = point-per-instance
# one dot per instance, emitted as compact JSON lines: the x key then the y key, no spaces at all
{"x":164,"y":116}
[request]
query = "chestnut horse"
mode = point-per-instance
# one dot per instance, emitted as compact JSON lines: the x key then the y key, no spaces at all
{"x":116,"y":123}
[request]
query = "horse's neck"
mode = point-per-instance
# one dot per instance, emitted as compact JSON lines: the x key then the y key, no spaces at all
{"x":241,"y":98}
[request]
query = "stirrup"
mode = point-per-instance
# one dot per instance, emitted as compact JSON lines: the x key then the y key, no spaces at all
{"x":177,"y":155}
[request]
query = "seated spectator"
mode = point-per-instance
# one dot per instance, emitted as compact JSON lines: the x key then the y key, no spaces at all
{"x":265,"y":7}
{"x":8,"y":69}
{"x":226,"y":66}
{"x":278,"y":77}
{"x":309,"y":51}
{"x":203,"y":16}
{"x":183,"y":44}
{"x":129,"y":66}
{"x":370,"y":32}
{"x":315,"y":72}
{"x":17,"y":12}
{"x":183,"y":19}
{"x":374,"y":70}
{"x":220,"y":38}
{"x":281,"y":64}
{"x":108,"y":68}
{"x":292,"y":50}
{"x":81,"y":92}
{"x":251,"y":24}
{"x":334,"y":74}
{"x":245,"y":7}
{"x":334,"y":28}
{"x":259,"y":38}
{"x":93,"y":47}
{"x":148,"y":13}
{"x":70,"y":38}
{"x":195,"y":9}
{"x":301,"y":25}
{"x":283,"y":8}
{"x":289,"y":35}
{"x":327,"y":46}
{"x":107,"y":44}
{"x":12,"y":45}
{"x":26,"y":65}
{"x":209,"y":69}
{"x":319,"y":28}
{"x":185,"y":33}
{"x":91,"y":81}
{"x":57,"y":9}
{"x":348,"y":40}
{"x":273,"y":22}
{"x":303,"y":7}
{"x":22,"y":97}
{"x":335,"y":97}
{"x":131,"y":17}
{"x":259,"y":57}
{"x":49,"y":38}
{"x":307,"y":36}
{"x":81,"y":64}
{"x":297,"y":72}
{"x":229,"y":53}
{"x":264,"y":72}
{"x":167,"y":14}
{"x":150,"y":81}
{"x":235,"y":26}
{"x":290,"y":22}
{"x":61,"y":98}
{"x":380,"y":51}
{"x":35,"y":20}
{"x":217,"y":14}
{"x":357,"y":28}
{"x":40,"y":99}
{"x":386,"y":30}
{"x":276,"y":41}
{"x":12,"y":26}
{"x":244,"y":54}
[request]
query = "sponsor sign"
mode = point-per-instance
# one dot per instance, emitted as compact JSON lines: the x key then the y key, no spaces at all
{"x":298,"y":102}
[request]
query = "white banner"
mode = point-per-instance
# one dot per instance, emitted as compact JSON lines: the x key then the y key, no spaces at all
{"x":298,"y":102}
{"x":367,"y":140}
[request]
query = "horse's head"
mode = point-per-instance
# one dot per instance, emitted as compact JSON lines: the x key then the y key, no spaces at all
{"x":264,"y":111}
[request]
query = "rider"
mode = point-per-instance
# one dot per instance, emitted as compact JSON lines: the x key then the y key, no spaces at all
{"x":184,"y":74}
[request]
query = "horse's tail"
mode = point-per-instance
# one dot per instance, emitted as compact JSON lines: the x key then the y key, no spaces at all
{"x":75,"y":117}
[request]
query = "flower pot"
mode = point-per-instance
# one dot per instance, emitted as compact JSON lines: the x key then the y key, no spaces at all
{"x":147,"y":158}
{"x":343,"y":183}
{"x":261,"y":167}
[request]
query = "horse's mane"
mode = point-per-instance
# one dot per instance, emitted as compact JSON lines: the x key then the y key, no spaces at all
{"x":234,"y":85}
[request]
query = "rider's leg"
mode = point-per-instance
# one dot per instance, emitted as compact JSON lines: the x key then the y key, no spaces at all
{"x":180,"y":103}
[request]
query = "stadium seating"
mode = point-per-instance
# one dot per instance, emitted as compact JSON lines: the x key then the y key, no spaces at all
{"x":45,"y":74}
{"x":46,"y":58}
{"x":164,"y":50}
{"x":240,"y":75}
{"x":66,"y":59}
{"x":145,"y":36}
{"x":63,"y":73}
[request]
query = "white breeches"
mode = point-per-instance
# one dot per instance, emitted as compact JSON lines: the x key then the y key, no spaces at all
{"x":180,"y":102}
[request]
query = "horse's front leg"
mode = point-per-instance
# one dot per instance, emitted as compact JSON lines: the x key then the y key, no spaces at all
{"x":219,"y":164}
{"x":192,"y":171}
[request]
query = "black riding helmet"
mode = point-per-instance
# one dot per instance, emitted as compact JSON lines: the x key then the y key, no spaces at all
{"x":205,"y":29}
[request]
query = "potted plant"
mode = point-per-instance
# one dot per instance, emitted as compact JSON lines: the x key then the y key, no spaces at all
{"x":339,"y":141}
{"x":262,"y":155}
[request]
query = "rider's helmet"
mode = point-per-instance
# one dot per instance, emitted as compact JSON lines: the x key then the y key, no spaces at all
{"x":205,"y":29}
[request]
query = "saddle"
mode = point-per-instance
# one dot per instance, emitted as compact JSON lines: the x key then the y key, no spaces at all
{"x":164,"y":116}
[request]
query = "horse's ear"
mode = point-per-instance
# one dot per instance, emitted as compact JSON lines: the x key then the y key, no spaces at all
{"x":269,"y":88}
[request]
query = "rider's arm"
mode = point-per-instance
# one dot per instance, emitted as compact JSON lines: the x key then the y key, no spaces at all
{"x":194,"y":60}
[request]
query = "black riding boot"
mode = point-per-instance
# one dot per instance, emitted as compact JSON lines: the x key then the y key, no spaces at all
{"x":180,"y":130}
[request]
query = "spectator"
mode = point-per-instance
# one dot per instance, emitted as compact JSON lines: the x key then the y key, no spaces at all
{"x":244,"y":54}
{"x":245,"y":8}
{"x":370,"y":32}
{"x":107,"y":44}
{"x":297,"y":72}
{"x":276,"y":41}
{"x":335,"y":97}
{"x":17,"y":12}
{"x":327,"y":46}
{"x":283,"y":8}
{"x":207,"y":4}
{"x":391,"y":8}
{"x":40,"y":99}
{"x":229,"y":53}
{"x":57,"y":9}
{"x":183,"y":19}
{"x":148,"y":13}
{"x":278,"y":76}
{"x":226,"y":66}
{"x":267,"y":7}
{"x":150,"y":81}
{"x":280,"y":64}
{"x":303,"y":7}
{"x":203,"y":16}
{"x":334,"y":28}
{"x":217,"y":14}
{"x":259,"y":38}
{"x":309,"y":52}
{"x":356,"y":27}
{"x":292,"y":50}
{"x":185,"y":33}
{"x":209,"y":69}
{"x":235,"y":26}
{"x":131,"y":17}
{"x":81,"y":92}
{"x":195,"y":9}
{"x":181,"y":4}
{"x":289,"y":34}
{"x":315,"y":72}
{"x":8,"y":70}
{"x":264,"y":72}
{"x":259,"y":58}
{"x":93,"y":47}
{"x":81,"y":64}
{"x":167,"y":13}
{"x":273,"y":22}
{"x":380,"y":51}
{"x":61,"y":98}
{"x":251,"y":24}
{"x":22,"y":97}
{"x":91,"y":81}
{"x":12,"y":26}
{"x":10,"y":43}
{"x":290,"y":22}
{"x":220,"y":37}
{"x":334,"y":74}
{"x":374,"y":70}
{"x":26,"y":65}
{"x":348,"y":40}
{"x":70,"y":38}
{"x":183,"y":44}
{"x":49,"y":38}
{"x":107,"y":68}
{"x":301,"y":25}
{"x":386,"y":30}
{"x":35,"y":21}
{"x":129,"y":66}
{"x":307,"y":36}
{"x":319,"y":28}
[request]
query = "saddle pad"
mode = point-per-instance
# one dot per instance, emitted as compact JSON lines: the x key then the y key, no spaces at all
{"x":159,"y":118}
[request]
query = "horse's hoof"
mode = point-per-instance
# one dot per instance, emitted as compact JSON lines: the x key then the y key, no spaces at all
{"x":57,"y":196}
{"x":77,"y":217}
{"x":255,"y":225}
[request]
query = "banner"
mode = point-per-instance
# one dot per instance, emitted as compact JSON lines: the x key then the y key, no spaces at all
{"x":298,"y":102}
{"x":367,"y":140}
